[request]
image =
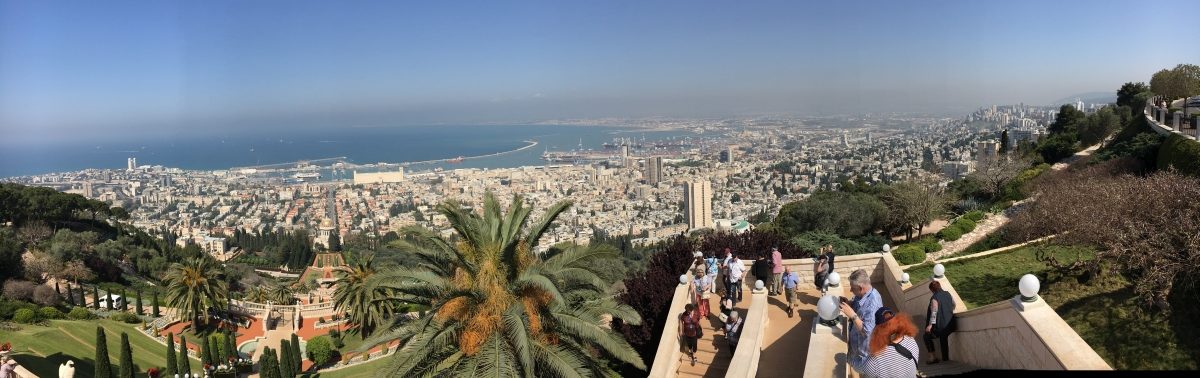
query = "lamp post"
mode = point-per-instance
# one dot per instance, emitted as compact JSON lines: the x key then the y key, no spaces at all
{"x":886,"y":249}
{"x":904,"y":278}
{"x":827,"y":310}
{"x":833,"y":280}
{"x":1029,"y":286}
{"x":683,"y":279}
{"x":939,"y":271}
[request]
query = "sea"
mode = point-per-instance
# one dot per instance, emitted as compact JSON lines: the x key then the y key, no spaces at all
{"x":359,"y":145}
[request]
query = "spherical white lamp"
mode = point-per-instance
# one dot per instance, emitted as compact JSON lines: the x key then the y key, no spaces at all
{"x":1029,"y":287}
{"x":938,"y":271}
{"x":683,"y":279}
{"x":758,"y":285}
{"x":904,"y":278}
{"x":833,"y":280}
{"x":827,"y":309}
{"x":887,"y":248}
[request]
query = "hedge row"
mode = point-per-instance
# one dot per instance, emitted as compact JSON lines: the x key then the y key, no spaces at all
{"x":1180,"y":153}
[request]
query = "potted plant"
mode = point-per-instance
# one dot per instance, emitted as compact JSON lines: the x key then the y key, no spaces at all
{"x":225,"y":371}
{"x":244,"y":366}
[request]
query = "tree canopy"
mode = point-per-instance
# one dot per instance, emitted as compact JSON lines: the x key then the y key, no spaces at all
{"x":846,"y":214}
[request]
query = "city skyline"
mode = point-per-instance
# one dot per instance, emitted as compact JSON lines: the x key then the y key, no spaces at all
{"x":67,"y":72}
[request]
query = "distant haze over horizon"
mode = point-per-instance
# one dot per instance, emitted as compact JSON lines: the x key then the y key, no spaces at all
{"x":78,"y":71}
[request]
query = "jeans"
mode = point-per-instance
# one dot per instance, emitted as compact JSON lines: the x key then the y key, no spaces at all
{"x":735,"y":290}
{"x":943,"y":337}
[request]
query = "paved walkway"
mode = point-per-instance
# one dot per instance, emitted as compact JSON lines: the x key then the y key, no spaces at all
{"x":785,"y":344}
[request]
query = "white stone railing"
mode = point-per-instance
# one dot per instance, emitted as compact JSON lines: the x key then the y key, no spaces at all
{"x":754,"y":330}
{"x":1157,"y":116}
{"x":666,"y":359}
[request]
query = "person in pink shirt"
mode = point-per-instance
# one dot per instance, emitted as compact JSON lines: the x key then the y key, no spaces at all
{"x":777,"y":271}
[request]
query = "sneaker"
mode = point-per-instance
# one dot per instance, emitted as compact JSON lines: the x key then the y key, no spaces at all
{"x":693,"y":361}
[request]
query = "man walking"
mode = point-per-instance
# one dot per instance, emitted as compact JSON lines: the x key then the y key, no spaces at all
{"x":777,"y":270}
{"x":736,"y":270}
{"x":861,"y":315}
{"x":790,"y":282}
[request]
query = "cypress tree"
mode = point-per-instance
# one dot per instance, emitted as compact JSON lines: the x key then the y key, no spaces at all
{"x":108,"y":301}
{"x":268,"y":365}
{"x":124,"y":300}
{"x":95,"y":297}
{"x":103,"y":365}
{"x":287,"y":369}
{"x":56,"y":290}
{"x":127,"y":367}
{"x":185,"y":366}
{"x":70,"y":295}
{"x":169,"y":372}
{"x":139,"y":303}
{"x":156,"y":313}
{"x":231,"y":342}
{"x":297,"y":358}
{"x":205,"y":352}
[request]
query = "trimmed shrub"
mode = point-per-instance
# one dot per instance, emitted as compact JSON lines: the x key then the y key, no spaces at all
{"x":1180,"y":153}
{"x":950,"y":233}
{"x":125,"y":317}
{"x":974,"y":215}
{"x":930,"y":244}
{"x":25,"y":316}
{"x":964,"y":224}
{"x":320,"y":350}
{"x":79,"y":313}
{"x":909,"y":254}
{"x":51,"y":313}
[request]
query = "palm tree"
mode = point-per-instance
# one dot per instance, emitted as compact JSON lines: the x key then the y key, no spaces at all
{"x":497,"y":307}
{"x":257,"y":294}
{"x":366,"y":307}
{"x":280,"y":294}
{"x":193,"y":287}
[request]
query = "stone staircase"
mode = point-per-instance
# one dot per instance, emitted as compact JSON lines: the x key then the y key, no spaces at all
{"x":943,"y":368}
{"x":712,"y":351}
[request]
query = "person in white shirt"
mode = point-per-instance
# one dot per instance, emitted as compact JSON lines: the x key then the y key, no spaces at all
{"x":736,"y":271}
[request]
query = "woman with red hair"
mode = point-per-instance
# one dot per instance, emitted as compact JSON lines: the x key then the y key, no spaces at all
{"x":893,"y":346}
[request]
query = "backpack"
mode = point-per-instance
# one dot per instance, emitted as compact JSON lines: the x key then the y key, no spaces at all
{"x":691,"y":327}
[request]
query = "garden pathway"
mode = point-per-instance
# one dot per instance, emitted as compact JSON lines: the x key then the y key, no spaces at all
{"x":995,"y":221}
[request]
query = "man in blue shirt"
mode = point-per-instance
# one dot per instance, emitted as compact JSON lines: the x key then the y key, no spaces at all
{"x":861,"y":315}
{"x":790,"y":281}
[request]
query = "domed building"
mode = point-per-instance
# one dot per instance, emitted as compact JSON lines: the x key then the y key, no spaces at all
{"x":325,"y":229}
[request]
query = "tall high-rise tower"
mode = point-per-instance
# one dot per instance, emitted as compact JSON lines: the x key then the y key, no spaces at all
{"x":727,"y":154}
{"x":698,"y":199}
{"x":654,"y":170}
{"x":131,"y":163}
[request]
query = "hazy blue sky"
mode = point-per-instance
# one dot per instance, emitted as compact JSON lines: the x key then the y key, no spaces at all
{"x":94,"y":69}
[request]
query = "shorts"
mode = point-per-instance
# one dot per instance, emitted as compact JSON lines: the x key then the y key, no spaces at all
{"x":690,"y":343}
{"x":791,"y":295}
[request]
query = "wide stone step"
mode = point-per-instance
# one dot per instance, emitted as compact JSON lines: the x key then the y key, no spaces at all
{"x":943,"y":368}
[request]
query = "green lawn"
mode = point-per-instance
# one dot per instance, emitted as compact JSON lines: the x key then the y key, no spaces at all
{"x":41,"y":349}
{"x":366,"y":369}
{"x":1103,"y":310}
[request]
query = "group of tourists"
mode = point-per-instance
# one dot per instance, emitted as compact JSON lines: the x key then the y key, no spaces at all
{"x":882,"y":341}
